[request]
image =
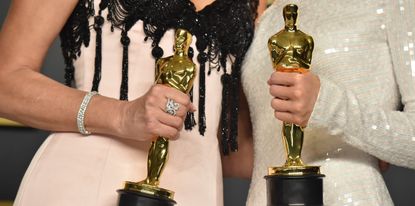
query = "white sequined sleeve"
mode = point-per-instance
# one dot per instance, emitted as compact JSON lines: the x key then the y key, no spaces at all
{"x":388,"y":135}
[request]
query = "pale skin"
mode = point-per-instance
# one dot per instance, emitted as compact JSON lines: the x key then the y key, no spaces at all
{"x":295,"y":95}
{"x":35,"y":100}
{"x":26,"y":35}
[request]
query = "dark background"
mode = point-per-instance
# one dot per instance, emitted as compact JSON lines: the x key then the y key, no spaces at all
{"x":18,"y":145}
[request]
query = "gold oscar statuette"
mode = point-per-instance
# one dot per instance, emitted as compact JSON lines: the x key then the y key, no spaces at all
{"x":291,"y":51}
{"x":177,"y":71}
{"x":294,"y":183}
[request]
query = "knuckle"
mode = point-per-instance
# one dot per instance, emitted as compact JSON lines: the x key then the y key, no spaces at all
{"x":297,"y":93}
{"x":150,"y":100}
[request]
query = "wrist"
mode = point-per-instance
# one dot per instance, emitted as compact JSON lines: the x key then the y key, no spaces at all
{"x":104,"y":116}
{"x":120,"y":116}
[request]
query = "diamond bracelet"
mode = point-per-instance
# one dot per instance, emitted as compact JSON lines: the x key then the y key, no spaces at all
{"x":80,"y":118}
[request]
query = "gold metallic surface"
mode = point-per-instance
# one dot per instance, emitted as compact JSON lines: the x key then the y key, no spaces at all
{"x":149,"y":189}
{"x":291,"y":48}
{"x":291,"y":51}
{"x":9,"y":123}
{"x":177,"y":71}
{"x":294,"y":170}
{"x":6,"y":203}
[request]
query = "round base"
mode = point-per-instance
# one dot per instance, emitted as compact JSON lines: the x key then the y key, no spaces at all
{"x":294,"y":170}
{"x":302,"y":190}
{"x":152,"y":190}
{"x":131,"y":198}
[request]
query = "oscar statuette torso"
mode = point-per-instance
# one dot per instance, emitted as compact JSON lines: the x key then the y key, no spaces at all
{"x":177,"y":71}
{"x":294,"y":183}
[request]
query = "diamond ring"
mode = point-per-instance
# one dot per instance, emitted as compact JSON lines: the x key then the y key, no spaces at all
{"x":172,"y":107}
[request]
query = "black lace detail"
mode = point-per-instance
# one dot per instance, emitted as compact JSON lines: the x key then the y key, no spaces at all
{"x":75,"y":33}
{"x":224,"y":31}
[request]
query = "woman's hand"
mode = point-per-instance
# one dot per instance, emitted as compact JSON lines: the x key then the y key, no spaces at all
{"x":145,"y":118}
{"x":295,"y":95}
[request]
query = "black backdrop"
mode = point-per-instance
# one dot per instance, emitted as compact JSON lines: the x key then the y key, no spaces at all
{"x":18,"y":145}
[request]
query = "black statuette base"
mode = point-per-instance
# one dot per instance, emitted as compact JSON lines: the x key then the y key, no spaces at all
{"x":130,"y":198}
{"x":304,"y":190}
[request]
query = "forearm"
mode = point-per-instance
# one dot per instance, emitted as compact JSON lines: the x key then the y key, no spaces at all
{"x":386,"y":134}
{"x":35,"y":100}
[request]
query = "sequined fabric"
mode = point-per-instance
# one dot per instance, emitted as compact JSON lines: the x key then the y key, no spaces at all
{"x":364,"y":56}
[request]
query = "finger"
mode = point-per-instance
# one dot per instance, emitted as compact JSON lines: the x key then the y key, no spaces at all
{"x":166,"y":92}
{"x":181,"y":109}
{"x":176,"y":95}
{"x":192,"y":107}
{"x":289,"y":118}
{"x":284,"y":116}
{"x":184,"y":103}
{"x":280,"y":105}
{"x":166,"y":131}
{"x":283,"y":78}
{"x":170,"y":120}
{"x":280,"y":92}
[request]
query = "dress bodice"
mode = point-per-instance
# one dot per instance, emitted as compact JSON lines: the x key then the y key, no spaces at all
{"x":116,"y":55}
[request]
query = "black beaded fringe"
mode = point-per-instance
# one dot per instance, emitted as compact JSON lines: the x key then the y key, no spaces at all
{"x":224,"y":31}
{"x":98,"y":22}
{"x":224,"y":119}
{"x":202,"y":59}
{"x":190,"y":121}
{"x":125,"y":41}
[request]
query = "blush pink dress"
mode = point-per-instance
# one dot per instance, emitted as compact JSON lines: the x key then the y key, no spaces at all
{"x":73,"y":170}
